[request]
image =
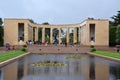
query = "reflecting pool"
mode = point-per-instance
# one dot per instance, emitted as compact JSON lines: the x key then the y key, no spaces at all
{"x":84,"y":68}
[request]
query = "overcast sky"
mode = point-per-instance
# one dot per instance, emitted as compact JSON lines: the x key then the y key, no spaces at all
{"x":59,"y":11}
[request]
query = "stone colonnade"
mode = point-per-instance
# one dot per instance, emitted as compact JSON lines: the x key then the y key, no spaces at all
{"x":59,"y":34}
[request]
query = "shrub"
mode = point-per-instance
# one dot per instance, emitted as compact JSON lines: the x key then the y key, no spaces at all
{"x":23,"y":49}
{"x":92,"y":46}
{"x":25,"y":45}
{"x":93,"y":49}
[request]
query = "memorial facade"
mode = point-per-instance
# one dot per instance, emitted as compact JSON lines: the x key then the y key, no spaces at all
{"x":18,"y":31}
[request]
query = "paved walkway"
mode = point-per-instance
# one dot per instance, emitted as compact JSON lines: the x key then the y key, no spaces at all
{"x":3,"y":49}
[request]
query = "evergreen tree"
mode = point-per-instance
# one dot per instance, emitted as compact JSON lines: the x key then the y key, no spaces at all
{"x":1,"y":22}
{"x":45,"y":23}
{"x":31,"y":21}
{"x":118,"y":34}
{"x":1,"y":32}
{"x":116,"y":19}
{"x":112,"y":35}
{"x":114,"y":32}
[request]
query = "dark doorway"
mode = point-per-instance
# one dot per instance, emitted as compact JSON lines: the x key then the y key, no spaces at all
{"x":92,"y":32}
{"x":20,"y":31}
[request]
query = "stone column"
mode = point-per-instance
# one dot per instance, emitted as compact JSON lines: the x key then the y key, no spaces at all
{"x":43,"y":35}
{"x":75,"y":35}
{"x":26,"y":33}
{"x":59,"y":35}
{"x":51,"y":32}
{"x":67,"y":35}
{"x":36,"y":34}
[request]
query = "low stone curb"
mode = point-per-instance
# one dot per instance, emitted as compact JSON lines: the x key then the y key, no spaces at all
{"x":105,"y":57}
{"x":13,"y":59}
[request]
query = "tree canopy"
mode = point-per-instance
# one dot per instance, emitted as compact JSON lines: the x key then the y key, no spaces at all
{"x":116,"y":19}
{"x":45,"y":23}
{"x":118,"y":35}
{"x":31,"y":20}
{"x":1,"y":32}
{"x":114,"y":32}
{"x":1,"y":22}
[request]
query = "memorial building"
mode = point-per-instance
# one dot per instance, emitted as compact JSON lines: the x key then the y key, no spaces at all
{"x":19,"y":31}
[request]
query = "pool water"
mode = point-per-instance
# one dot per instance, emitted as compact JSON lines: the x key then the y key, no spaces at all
{"x":84,"y":68}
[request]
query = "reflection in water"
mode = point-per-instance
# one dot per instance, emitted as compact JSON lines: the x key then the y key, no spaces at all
{"x":85,"y":68}
{"x":0,"y":75}
{"x":20,"y":68}
{"x":92,"y":68}
{"x":46,"y":70}
{"x":115,"y":72}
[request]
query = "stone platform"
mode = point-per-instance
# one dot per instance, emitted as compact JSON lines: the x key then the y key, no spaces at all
{"x":63,"y":49}
{"x":59,"y":49}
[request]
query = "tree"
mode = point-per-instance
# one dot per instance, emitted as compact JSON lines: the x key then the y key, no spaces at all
{"x":112,"y":35}
{"x":40,"y":34}
{"x":71,"y":37}
{"x":55,"y":35}
{"x":114,"y":32}
{"x":116,"y":19}
{"x":64,"y":40}
{"x":118,"y":34}
{"x":45,"y":23}
{"x":1,"y":22}
{"x":1,"y":32}
{"x":47,"y":35}
{"x":62,"y":32}
{"x":32,"y":21}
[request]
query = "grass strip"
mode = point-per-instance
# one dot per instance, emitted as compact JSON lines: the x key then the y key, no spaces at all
{"x":108,"y":54}
{"x":8,"y":55}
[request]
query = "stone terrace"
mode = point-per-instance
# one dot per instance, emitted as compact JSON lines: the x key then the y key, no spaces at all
{"x":63,"y":49}
{"x":59,"y":49}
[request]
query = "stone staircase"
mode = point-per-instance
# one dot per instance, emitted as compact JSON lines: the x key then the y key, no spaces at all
{"x":57,"y":49}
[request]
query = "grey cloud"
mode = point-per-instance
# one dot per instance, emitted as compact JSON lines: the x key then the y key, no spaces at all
{"x":59,"y":11}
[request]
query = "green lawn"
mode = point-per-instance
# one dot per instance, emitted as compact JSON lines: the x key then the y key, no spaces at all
{"x":109,"y":54}
{"x":8,"y":55}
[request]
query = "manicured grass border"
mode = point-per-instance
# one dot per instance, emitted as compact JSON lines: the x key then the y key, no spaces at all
{"x":9,"y":55}
{"x":108,"y":54}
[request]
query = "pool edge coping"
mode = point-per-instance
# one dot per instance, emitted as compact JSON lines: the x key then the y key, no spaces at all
{"x":105,"y":57}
